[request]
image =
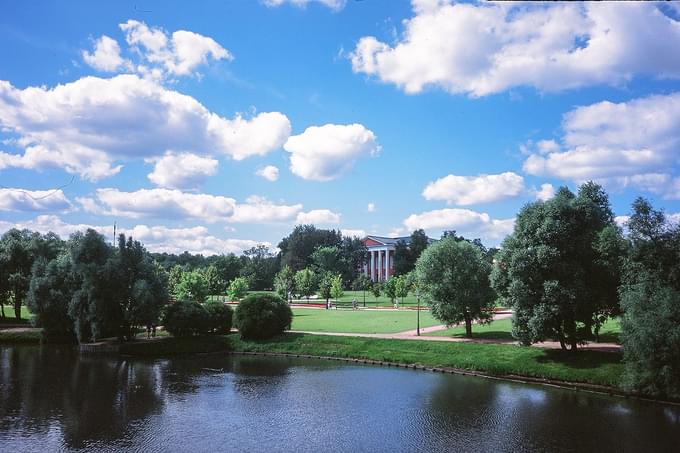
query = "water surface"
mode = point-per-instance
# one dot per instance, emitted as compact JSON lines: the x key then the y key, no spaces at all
{"x":51,"y":399}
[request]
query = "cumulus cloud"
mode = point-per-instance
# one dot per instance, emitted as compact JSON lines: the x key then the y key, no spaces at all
{"x":465,"y":221}
{"x":105,"y":56}
{"x":353,"y":233}
{"x":270,"y":173}
{"x":317,"y":217}
{"x":178,"y":54}
{"x":260,"y":210}
{"x":155,"y":238}
{"x":86,"y":126}
{"x":181,"y":170}
{"x":13,"y":199}
{"x":485,"y":48}
{"x":468,"y":190}
{"x":545,"y":193}
{"x":159,"y":203}
{"x":370,"y":207}
{"x":622,"y":144}
{"x":335,"y":5}
{"x":324,"y":153}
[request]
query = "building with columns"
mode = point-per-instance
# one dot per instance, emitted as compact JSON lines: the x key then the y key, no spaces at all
{"x":380,"y":264}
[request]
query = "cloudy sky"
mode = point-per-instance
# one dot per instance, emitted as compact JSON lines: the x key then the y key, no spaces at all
{"x":216,"y":125}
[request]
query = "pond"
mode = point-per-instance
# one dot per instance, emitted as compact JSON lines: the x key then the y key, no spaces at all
{"x":52,"y":399}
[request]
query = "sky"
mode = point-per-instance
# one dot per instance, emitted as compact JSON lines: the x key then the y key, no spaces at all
{"x":215,"y":126}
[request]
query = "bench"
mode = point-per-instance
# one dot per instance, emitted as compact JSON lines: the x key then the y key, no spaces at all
{"x":343,"y":304}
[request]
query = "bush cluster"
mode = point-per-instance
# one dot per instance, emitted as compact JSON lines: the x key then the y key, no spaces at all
{"x":185,"y":318}
{"x":261,"y":316}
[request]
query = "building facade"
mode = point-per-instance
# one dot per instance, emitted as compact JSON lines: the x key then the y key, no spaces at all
{"x":380,"y":264}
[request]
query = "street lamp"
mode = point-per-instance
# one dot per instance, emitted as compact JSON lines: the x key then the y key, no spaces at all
{"x":418,"y":312}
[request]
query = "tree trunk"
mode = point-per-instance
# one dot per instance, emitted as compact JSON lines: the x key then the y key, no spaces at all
{"x":468,"y":325}
{"x":574,"y":345}
{"x":2,"y":310}
{"x":17,"y":310}
{"x":563,"y":345}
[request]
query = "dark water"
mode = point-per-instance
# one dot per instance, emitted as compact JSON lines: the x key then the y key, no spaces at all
{"x":51,"y":399}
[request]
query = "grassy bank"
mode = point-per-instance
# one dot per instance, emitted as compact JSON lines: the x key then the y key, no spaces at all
{"x":591,"y":367}
{"x":359,"y":321}
{"x":13,"y":336}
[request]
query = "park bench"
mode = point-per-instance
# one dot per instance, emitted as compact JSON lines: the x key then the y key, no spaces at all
{"x":342,"y":304}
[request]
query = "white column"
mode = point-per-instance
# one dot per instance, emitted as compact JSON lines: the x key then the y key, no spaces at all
{"x":387,"y":264}
{"x":372,"y":266}
{"x":380,"y":265}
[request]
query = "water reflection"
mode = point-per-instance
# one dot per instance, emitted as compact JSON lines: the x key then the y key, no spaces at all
{"x":54,"y":399}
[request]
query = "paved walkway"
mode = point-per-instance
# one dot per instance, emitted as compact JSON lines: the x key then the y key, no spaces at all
{"x":412,"y":335}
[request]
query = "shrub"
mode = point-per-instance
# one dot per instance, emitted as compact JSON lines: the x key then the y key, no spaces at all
{"x":261,"y":316}
{"x":238,"y":288}
{"x":219,"y":317}
{"x":186,"y":318}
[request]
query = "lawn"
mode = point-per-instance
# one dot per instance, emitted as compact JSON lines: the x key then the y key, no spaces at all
{"x":9,"y":313}
{"x":501,"y":330}
{"x":359,"y":321}
{"x":593,"y":367}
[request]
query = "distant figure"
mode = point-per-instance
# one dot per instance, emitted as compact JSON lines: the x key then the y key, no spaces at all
{"x":355,"y":304}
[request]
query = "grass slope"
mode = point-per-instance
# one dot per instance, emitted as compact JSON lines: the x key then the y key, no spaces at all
{"x":592,"y":367}
{"x":359,"y":321}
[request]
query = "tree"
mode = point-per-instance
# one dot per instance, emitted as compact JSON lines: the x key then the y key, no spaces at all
{"x":454,"y":278}
{"x":174,"y":277}
{"x":228,"y":267}
{"x":297,"y":248}
{"x":260,"y":267}
{"x":305,"y":282}
{"x":238,"y":288}
{"x":389,"y":288}
{"x":213,"y":280}
{"x":336,"y":287}
{"x":362,"y":283}
{"x":559,"y":269}
{"x":405,"y":256}
{"x":284,"y":283}
{"x":219,"y":317}
{"x":402,"y":283}
{"x":376,"y":289}
{"x":650,"y":299}
{"x":327,"y":259}
{"x":187,"y":318}
{"x":192,"y":286}
{"x":326,"y":287}
{"x":262,"y":316}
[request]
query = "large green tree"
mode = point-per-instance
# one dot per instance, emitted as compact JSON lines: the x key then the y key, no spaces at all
{"x":650,"y":299}
{"x":305,"y":282}
{"x":260,"y":267}
{"x":284,"y":283}
{"x":560,"y":267}
{"x":406,"y":254}
{"x":454,"y":278}
{"x":297,"y":248}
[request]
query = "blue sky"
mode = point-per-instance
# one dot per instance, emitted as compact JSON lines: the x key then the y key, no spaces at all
{"x":216,"y":126}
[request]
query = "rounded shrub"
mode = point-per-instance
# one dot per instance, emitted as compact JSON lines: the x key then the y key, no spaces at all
{"x":261,"y":316}
{"x":219,"y":316}
{"x":186,"y":318}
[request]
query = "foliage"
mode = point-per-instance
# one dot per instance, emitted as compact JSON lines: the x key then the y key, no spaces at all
{"x":389,"y":288}
{"x":305,"y":282}
{"x":260,"y":267}
{"x":336,"y":287}
{"x":327,"y":259}
{"x":560,"y":268}
{"x":261,"y":316}
{"x":401,"y":286}
{"x":362,"y":283}
{"x":187,"y":318}
{"x":325,"y":287}
{"x":174,"y":277}
{"x":238,"y":288}
{"x":376,"y":289}
{"x":284,"y":282}
{"x":650,"y":298}
{"x":405,"y":256}
{"x":192,"y":286}
{"x":219,"y":317}
{"x":454,"y":278}
{"x":297,"y":248}
{"x":214,"y":281}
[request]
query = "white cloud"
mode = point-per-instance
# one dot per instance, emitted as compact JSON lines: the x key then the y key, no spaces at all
{"x":318,"y":216}
{"x":159,"y":203}
{"x":468,"y":190}
{"x":352,"y":233}
{"x":545,"y":193}
{"x":270,"y":173}
{"x":485,"y":48}
{"x":260,"y":210}
{"x":464,"y":221}
{"x":370,"y":207}
{"x":335,"y":5}
{"x":623,"y":144}
{"x":13,"y":199}
{"x":324,"y":153}
{"x":178,"y":54}
{"x":181,"y":170}
{"x":86,"y":126}
{"x":106,"y":55}
{"x":155,"y":238}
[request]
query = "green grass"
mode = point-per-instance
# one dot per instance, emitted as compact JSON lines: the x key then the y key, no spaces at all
{"x":592,"y":367}
{"x":501,"y":330}
{"x":18,"y":336}
{"x":9,"y":314}
{"x":359,"y":321}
